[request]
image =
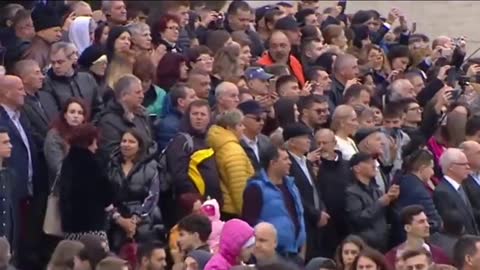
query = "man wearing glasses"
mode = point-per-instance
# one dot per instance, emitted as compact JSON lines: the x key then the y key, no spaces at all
{"x":450,"y":195}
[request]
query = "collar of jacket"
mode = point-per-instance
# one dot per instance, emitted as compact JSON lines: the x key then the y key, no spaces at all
{"x":332,"y":162}
{"x":54,"y":77}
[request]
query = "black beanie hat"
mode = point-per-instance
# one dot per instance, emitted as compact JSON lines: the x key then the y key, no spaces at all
{"x":90,"y":55}
{"x":45,"y":17}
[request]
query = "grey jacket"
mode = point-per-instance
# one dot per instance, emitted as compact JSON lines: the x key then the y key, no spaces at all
{"x":55,"y":150}
{"x":81,"y":85}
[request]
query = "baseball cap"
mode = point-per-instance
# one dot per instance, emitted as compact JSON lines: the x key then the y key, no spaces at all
{"x":251,"y":107}
{"x":253,"y":73}
{"x":287,"y":23}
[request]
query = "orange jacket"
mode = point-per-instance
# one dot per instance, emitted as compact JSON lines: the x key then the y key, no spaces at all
{"x":295,"y":66}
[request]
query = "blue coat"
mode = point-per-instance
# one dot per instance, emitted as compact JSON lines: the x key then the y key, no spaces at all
{"x":275,"y":212}
{"x":167,"y":128}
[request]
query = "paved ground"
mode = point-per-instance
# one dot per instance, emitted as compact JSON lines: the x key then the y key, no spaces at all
{"x":453,"y":18}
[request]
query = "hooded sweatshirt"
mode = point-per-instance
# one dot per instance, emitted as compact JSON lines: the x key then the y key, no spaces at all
{"x":234,"y":236}
{"x":212,"y":210}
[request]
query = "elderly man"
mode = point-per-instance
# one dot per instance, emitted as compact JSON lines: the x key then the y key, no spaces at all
{"x":472,"y":183}
{"x":279,"y":52}
{"x":227,"y":97}
{"x":63,"y":81}
{"x":345,"y":69}
{"x":401,"y":89}
{"x":141,"y":38}
{"x":123,"y":113}
{"x":47,"y":31}
{"x":115,"y":11}
{"x":450,"y":195}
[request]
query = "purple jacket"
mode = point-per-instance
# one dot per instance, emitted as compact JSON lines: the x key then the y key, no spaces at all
{"x":234,"y":235}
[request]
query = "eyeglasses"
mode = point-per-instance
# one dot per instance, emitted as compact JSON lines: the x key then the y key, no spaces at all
{"x":174,"y":28}
{"x":257,"y":118}
{"x":321,"y":111}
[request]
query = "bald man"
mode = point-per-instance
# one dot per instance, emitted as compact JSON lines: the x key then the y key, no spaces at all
{"x":472,"y":183}
{"x":227,"y":97}
{"x":333,"y":175}
{"x":450,"y":195}
{"x":279,"y":52}
{"x":12,"y":96}
{"x":265,"y":242}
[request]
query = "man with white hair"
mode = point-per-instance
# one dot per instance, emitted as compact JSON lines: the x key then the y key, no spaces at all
{"x":401,"y":89}
{"x":227,"y":97}
{"x":472,"y":183}
{"x":115,"y":11}
{"x":449,"y":195}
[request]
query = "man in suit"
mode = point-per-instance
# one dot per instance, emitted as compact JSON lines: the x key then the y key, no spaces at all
{"x":297,"y":137}
{"x":22,"y":159}
{"x":449,"y":194}
{"x":39,"y":106}
{"x":471,"y":149}
{"x":254,"y":142}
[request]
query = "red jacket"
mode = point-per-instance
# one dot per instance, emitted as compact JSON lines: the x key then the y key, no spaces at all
{"x":293,"y":63}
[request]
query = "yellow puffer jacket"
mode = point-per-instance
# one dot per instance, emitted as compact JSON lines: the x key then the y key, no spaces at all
{"x":233,"y":165}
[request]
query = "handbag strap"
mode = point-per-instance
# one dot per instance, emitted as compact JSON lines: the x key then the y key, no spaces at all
{"x":55,"y":182}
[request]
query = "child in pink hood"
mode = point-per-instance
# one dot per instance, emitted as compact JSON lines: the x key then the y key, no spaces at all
{"x":236,"y":245}
{"x":211,"y":209}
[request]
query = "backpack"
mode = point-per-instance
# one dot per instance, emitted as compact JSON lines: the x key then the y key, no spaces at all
{"x":165,"y":179}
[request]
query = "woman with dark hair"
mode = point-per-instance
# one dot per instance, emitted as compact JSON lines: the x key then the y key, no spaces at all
{"x":154,"y":96}
{"x":286,"y":112}
{"x":165,"y":32}
{"x":200,"y":59}
{"x":172,"y":68}
{"x":101,"y":34}
{"x":348,"y":251}
{"x":85,"y":192}
{"x":134,"y":176}
{"x":56,"y":147}
{"x":370,"y":259}
{"x":399,"y":58}
{"x":119,"y":53}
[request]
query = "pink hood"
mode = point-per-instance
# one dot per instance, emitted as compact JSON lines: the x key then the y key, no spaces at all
{"x":234,"y":235}
{"x":211,"y":209}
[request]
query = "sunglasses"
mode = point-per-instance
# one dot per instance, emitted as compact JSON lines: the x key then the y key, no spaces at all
{"x":257,"y":118}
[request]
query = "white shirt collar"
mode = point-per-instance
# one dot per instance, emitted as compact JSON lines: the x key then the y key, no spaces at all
{"x":301,"y":159}
{"x":452,"y":182}
{"x":249,"y":141}
{"x":13,"y":114}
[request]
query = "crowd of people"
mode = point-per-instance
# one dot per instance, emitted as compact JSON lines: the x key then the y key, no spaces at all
{"x":290,"y":136}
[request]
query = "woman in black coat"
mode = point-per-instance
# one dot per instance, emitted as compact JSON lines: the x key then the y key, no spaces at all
{"x":134,"y":176}
{"x":85,"y":192}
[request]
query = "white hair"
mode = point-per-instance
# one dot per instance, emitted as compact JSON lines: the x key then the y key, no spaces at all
{"x":138,"y":28}
{"x":450,"y":156}
{"x":222,"y":88}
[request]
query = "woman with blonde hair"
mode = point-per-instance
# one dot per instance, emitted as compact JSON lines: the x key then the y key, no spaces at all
{"x":227,"y":65}
{"x":377,"y":63}
{"x":334,"y":35}
{"x":345,"y":124}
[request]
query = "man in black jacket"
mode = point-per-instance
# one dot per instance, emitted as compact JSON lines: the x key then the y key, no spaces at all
{"x":123,"y":113}
{"x":366,"y":205}
{"x":297,"y":137}
{"x":333,"y":178}
{"x":63,"y":82}
{"x":238,"y":18}
{"x":39,"y":106}
{"x":344,"y":70}
{"x":254,"y":142}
